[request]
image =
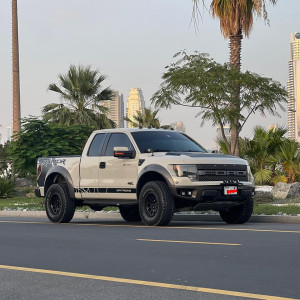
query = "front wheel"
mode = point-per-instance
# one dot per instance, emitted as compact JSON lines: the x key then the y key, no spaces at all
{"x":60,"y":207}
{"x":238,"y":214}
{"x":156,"y":204}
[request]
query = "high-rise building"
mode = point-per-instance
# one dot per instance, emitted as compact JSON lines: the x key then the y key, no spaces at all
{"x":178,"y":126}
{"x":135,"y":103}
{"x":115,"y":109}
{"x":293,"y":88}
{"x":9,"y":133}
{"x":220,"y":136}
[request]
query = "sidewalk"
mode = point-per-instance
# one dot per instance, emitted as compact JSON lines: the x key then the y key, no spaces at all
{"x":177,"y":217}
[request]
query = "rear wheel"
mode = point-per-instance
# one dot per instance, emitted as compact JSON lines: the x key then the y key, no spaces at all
{"x":156,"y":204}
{"x":130,"y":213}
{"x":238,"y":214}
{"x":60,"y":207}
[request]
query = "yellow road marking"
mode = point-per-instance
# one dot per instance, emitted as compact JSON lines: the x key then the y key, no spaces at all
{"x":188,"y":242}
{"x":148,"y":283}
{"x":157,"y":227}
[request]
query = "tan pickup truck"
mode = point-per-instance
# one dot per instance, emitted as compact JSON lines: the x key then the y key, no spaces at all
{"x":149,"y":174}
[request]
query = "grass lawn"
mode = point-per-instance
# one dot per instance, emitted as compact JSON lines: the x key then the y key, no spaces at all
{"x":34,"y":203}
{"x":268,"y":209}
{"x":29,"y":203}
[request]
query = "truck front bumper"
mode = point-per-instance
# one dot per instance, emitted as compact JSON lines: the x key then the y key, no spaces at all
{"x":210,"y":197}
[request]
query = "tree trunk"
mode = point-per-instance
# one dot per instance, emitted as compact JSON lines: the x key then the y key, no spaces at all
{"x":16,"y":76}
{"x":235,"y":45}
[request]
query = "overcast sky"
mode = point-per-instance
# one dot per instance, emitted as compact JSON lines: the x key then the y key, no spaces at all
{"x":131,"y":41}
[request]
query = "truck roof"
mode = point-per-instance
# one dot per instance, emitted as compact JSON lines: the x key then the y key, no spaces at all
{"x":130,"y":130}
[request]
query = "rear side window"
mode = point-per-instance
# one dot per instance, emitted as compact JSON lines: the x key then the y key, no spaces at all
{"x":118,"y":140}
{"x":96,"y":145}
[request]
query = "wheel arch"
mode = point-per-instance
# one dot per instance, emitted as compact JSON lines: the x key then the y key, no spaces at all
{"x":59,"y":174}
{"x":153,"y":173}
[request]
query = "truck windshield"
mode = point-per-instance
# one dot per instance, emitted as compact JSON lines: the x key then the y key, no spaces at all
{"x":165,"y":141}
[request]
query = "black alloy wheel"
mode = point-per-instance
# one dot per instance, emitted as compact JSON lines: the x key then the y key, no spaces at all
{"x":151,"y":205}
{"x":60,"y":207}
{"x":156,"y":204}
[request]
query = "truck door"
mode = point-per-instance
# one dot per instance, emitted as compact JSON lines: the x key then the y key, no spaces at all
{"x":89,"y":169}
{"x":118,"y":175}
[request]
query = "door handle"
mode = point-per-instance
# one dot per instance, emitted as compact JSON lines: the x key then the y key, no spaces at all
{"x":102,"y":165}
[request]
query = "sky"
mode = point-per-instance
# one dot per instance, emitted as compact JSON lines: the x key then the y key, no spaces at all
{"x":131,"y":42}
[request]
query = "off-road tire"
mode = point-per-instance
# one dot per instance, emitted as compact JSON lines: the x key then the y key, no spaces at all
{"x":130,"y":213}
{"x":238,"y":214}
{"x":156,"y":204}
{"x":60,"y":207}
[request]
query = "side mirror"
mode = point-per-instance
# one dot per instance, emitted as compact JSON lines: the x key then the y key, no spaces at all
{"x":123,"y":152}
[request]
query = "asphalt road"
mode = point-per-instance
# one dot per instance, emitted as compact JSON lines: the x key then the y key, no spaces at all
{"x":114,"y":260}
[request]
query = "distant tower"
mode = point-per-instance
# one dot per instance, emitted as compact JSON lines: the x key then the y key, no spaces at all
{"x":135,"y":103}
{"x":293,"y":88}
{"x":178,"y":126}
{"x":115,"y":109}
{"x":273,"y":127}
{"x":9,"y":133}
{"x":220,"y":137}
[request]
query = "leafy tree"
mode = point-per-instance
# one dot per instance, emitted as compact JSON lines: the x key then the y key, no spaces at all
{"x":5,"y":159}
{"x":38,"y":138}
{"x":198,"y":81}
{"x":81,"y":93}
{"x":146,"y":119}
{"x":236,"y":20}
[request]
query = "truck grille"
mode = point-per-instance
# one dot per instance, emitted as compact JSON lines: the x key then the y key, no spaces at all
{"x":211,"y":172}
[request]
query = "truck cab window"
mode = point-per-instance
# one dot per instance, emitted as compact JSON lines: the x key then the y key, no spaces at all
{"x":96,"y":145}
{"x":118,"y":140}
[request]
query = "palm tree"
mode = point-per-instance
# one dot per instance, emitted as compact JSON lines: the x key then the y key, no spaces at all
{"x":81,"y":93}
{"x":236,"y":20}
{"x":289,"y":155}
{"x":261,"y":153}
{"x":146,"y":119}
{"x":16,"y":76}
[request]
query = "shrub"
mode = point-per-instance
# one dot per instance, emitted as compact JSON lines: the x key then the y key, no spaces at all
{"x":7,"y":188}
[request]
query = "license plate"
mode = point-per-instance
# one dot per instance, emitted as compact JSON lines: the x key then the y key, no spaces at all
{"x":230,"y":190}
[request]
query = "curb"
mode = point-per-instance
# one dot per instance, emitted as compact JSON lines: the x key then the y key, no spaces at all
{"x":177,"y":217}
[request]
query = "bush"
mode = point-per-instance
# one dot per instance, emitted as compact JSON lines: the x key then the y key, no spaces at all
{"x":7,"y":188}
{"x":38,"y":138}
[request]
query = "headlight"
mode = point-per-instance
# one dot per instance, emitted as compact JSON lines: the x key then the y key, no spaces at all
{"x":250,"y":176}
{"x":189,"y":171}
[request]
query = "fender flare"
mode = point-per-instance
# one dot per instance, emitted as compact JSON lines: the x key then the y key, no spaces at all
{"x":157,"y":169}
{"x":65,"y":174}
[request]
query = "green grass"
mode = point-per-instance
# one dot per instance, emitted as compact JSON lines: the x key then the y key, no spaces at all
{"x":29,"y":203}
{"x":267,"y":209}
{"x":34,"y":203}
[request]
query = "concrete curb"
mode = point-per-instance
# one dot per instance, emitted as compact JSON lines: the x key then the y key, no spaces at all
{"x":177,"y":217}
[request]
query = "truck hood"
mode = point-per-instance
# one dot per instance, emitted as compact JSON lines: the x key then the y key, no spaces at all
{"x":193,"y":158}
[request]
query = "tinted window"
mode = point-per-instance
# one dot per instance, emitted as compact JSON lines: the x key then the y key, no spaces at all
{"x":118,"y":140}
{"x":96,"y":145}
{"x":165,"y":141}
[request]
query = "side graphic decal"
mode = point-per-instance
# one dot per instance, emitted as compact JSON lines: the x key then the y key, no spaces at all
{"x":104,"y":190}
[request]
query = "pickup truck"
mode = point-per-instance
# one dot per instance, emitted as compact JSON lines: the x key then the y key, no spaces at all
{"x":150,"y":174}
